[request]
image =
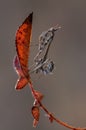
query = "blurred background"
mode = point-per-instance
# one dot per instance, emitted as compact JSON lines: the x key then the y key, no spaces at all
{"x":65,"y":90}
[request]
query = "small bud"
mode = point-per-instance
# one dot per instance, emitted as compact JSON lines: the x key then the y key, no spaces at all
{"x":38,"y":95}
{"x":51,"y":119}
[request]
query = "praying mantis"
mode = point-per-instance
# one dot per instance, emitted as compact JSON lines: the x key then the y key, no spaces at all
{"x":45,"y":65}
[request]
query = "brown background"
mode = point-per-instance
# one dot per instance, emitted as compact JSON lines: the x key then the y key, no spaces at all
{"x":65,"y":90}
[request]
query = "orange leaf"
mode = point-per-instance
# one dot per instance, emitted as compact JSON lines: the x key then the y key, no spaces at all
{"x":21,"y":83}
{"x":23,"y":37}
{"x":35,"y":112}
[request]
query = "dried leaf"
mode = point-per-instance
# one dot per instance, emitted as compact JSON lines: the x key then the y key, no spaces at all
{"x":23,"y":37}
{"x":35,"y":112}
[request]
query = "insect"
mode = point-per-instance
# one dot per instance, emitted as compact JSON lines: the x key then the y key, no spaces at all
{"x":42,"y":64}
{"x":45,"y":39}
{"x":45,"y":65}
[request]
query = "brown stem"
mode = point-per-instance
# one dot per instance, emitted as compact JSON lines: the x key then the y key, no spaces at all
{"x":51,"y":115}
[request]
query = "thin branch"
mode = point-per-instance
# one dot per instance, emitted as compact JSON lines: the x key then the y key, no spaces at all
{"x":51,"y":115}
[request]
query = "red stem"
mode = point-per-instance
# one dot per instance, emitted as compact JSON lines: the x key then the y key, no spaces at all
{"x":51,"y":115}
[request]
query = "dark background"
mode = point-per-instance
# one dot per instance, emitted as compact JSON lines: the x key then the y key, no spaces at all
{"x":65,"y":90}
